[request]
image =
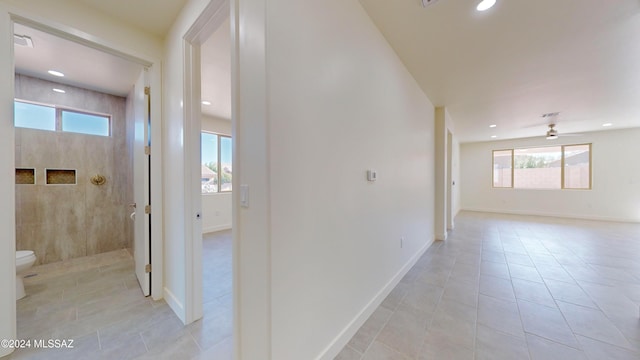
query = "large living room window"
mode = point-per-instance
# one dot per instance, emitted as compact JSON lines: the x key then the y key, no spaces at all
{"x":502,"y":168}
{"x":549,"y":167}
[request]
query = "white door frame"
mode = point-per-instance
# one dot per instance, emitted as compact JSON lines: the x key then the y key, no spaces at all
{"x":449,"y":207}
{"x":216,"y":12}
{"x":153,"y":65}
{"x":251,"y":235}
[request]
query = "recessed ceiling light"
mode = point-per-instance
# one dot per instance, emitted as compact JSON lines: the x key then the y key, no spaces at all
{"x":59,"y":91}
{"x":56,"y":73}
{"x":485,"y":5}
{"x":492,"y":125}
{"x":607,"y":124}
{"x":205,"y":102}
{"x":494,"y":136}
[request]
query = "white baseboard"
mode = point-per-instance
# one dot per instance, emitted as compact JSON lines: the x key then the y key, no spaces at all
{"x":210,"y":229}
{"x":441,"y":237}
{"x":347,"y":333}
{"x":5,"y":351}
{"x":555,"y":215}
{"x":175,"y":305}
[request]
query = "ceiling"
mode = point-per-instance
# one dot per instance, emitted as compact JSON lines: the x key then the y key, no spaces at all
{"x":93,"y":69}
{"x":215,"y":55}
{"x":153,"y":16}
{"x":506,"y":66}
{"x":521,"y":59}
{"x":83,"y":66}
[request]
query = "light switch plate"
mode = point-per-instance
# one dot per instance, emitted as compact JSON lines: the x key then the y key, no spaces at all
{"x":244,"y":195}
{"x":372,"y":175}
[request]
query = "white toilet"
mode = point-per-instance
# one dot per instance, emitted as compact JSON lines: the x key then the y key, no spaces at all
{"x":24,"y":261}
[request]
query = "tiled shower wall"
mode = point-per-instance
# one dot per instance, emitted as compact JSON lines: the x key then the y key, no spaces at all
{"x":60,"y":222}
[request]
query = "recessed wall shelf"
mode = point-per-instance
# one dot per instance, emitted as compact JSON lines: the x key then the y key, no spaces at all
{"x":25,"y":176}
{"x":60,"y":177}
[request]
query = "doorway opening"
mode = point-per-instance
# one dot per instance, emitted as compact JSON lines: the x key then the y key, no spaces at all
{"x":208,"y":104}
{"x":82,"y":115}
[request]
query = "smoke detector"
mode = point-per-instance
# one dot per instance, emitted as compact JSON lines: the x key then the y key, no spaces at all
{"x":22,"y":40}
{"x":426,"y":3}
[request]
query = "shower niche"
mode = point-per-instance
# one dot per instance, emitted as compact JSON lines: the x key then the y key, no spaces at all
{"x":60,"y":177}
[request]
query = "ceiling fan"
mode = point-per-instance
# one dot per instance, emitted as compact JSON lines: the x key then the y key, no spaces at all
{"x":552,"y":133}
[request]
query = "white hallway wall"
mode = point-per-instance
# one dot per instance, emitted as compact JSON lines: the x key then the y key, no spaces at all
{"x":316,"y":235}
{"x":82,"y":21}
{"x":216,"y":208}
{"x":616,"y":180}
{"x":340,"y":102}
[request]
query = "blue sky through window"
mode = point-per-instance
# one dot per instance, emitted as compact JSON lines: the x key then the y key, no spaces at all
{"x":34,"y":116}
{"x":85,"y":123}
{"x":210,"y":149}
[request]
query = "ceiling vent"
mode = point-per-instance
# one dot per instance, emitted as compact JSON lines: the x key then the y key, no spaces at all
{"x":22,"y":40}
{"x":426,"y":3}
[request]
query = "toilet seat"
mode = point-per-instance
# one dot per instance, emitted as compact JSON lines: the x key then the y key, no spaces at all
{"x":24,"y":257}
{"x":21,"y":254}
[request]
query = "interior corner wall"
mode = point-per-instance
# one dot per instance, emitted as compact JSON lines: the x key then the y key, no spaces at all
{"x":340,"y":103}
{"x":615,"y":193}
{"x":216,"y":208}
{"x":7,"y":186}
{"x":440,"y":174}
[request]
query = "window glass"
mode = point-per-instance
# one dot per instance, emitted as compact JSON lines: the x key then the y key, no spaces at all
{"x":502,"y":160}
{"x":538,"y":168}
{"x":577,"y":172}
{"x":226,"y":163}
{"x":209,"y":159}
{"x":33,"y":116}
{"x":85,"y":123}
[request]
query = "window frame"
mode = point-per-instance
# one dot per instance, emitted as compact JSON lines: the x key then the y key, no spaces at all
{"x":562,"y":168}
{"x":493,"y":164}
{"x":590,"y":167}
{"x":58,"y":117}
{"x":219,"y":161}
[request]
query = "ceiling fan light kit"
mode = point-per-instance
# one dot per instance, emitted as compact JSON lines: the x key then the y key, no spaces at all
{"x":552,"y":133}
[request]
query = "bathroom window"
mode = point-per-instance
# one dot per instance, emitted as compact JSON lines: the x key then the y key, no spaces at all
{"x":55,"y":118}
{"x":83,"y":123}
{"x":33,"y":116}
{"x":216,"y":160}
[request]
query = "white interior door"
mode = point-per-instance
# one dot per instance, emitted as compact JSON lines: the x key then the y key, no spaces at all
{"x":141,"y":161}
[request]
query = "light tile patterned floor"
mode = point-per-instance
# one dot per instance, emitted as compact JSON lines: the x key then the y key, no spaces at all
{"x":514,"y":287}
{"x":97,"y":302}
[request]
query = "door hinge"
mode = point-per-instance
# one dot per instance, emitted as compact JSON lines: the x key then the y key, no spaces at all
{"x":147,"y":268}
{"x":147,"y":209}
{"x":147,"y":90}
{"x":147,"y":150}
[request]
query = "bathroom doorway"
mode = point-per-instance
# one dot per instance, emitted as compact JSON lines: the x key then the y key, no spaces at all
{"x":81,"y":114}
